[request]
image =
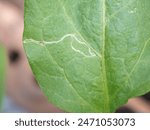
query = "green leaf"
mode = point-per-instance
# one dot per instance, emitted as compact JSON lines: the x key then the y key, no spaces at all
{"x":2,"y":72}
{"x":89,"y":55}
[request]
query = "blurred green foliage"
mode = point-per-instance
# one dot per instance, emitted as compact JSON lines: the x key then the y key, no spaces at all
{"x":2,"y":72}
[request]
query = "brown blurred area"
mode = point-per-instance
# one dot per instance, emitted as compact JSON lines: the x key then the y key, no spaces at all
{"x":21,"y":87}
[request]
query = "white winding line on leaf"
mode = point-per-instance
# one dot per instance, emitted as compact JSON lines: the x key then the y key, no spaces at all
{"x":43,"y":43}
{"x":77,"y":50}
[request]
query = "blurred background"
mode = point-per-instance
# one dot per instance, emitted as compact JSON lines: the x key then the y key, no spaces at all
{"x":22,"y":93}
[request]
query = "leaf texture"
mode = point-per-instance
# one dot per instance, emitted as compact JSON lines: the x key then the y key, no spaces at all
{"x":89,"y":55}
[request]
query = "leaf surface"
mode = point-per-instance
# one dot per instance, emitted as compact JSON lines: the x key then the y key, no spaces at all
{"x":89,"y":55}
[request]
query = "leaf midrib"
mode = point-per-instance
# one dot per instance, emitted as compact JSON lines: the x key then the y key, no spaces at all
{"x":106,"y":91}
